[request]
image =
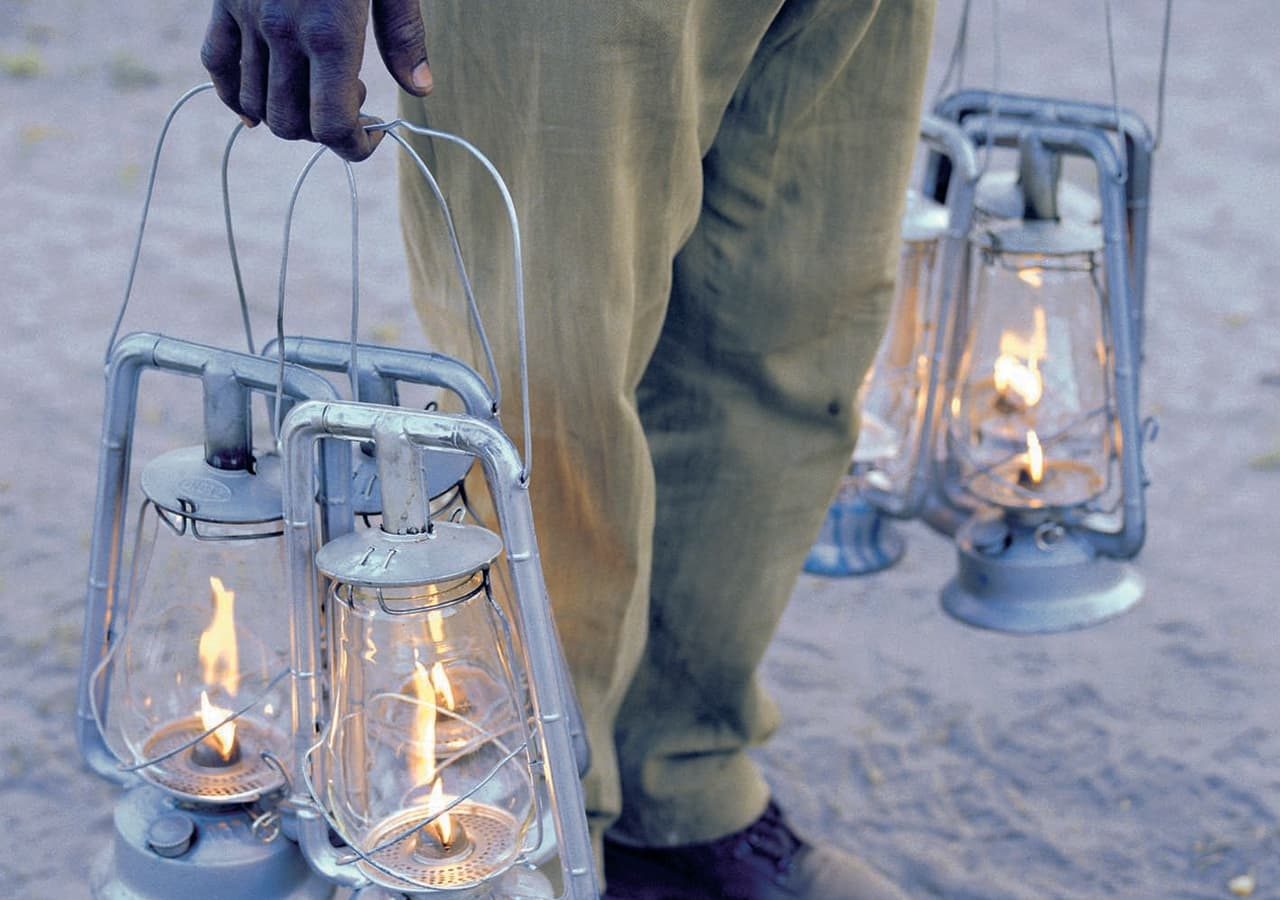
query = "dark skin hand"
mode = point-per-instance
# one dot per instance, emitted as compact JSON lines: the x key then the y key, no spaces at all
{"x":295,"y":64}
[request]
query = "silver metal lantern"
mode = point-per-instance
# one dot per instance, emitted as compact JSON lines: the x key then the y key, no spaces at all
{"x":1041,"y":439}
{"x":184,"y":685}
{"x":440,"y":743}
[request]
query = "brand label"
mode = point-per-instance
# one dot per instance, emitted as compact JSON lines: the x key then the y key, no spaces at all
{"x":203,"y":489}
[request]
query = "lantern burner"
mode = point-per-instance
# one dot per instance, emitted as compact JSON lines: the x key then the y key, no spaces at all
{"x":199,"y":775}
{"x":488,"y":849}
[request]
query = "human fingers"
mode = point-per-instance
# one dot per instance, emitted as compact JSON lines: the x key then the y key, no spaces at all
{"x":288,"y":92}
{"x":254,"y":59}
{"x":335,"y":112}
{"x":402,"y":42}
{"x":220,"y":55}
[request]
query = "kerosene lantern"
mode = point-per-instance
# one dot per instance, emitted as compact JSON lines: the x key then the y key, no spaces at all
{"x":443,"y":726}
{"x":184,"y":687}
{"x":1042,"y":437}
{"x":897,"y":401}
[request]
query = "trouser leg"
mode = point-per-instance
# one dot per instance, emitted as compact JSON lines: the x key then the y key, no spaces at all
{"x":776,"y":308}
{"x":598,"y":114}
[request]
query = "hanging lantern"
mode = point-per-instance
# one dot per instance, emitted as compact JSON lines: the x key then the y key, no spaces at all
{"x":897,"y":399}
{"x":379,"y":373}
{"x":184,"y":679}
{"x":1042,"y":441}
{"x":446,"y":726}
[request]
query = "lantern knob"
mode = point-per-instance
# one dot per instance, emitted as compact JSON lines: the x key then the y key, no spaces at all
{"x":171,"y":834}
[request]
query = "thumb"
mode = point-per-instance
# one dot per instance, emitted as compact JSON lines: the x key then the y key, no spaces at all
{"x":402,"y":41}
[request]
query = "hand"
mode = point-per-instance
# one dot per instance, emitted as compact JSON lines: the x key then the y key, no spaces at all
{"x":295,"y":64}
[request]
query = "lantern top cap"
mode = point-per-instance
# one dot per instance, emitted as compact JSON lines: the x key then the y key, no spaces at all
{"x":376,"y":559}
{"x":1040,"y":237}
{"x":181,"y":482}
{"x":925,"y":219}
{"x":1000,"y":195}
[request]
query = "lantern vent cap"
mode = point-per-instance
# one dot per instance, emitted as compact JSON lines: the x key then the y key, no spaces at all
{"x":1041,"y":238}
{"x":1000,"y":196}
{"x":376,"y":559}
{"x":181,"y":482}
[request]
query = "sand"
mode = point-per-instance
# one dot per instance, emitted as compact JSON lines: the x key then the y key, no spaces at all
{"x":1136,"y":759}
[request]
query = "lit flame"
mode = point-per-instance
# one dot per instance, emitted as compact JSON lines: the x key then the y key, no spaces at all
{"x":1035,"y":458}
{"x":442,"y":827}
{"x":435,"y":624}
{"x":1032,"y":275}
{"x":1017,"y":368}
{"x":443,"y":690}
{"x":224,"y":736}
{"x":422,"y":758}
{"x":1011,"y":374}
{"x":219,"y":655}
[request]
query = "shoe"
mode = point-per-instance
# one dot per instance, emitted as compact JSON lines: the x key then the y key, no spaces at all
{"x":764,"y":861}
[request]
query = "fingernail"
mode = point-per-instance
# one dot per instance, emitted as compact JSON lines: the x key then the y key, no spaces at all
{"x":422,"y":79}
{"x":248,"y":123}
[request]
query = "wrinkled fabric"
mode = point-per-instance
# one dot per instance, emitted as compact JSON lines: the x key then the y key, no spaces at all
{"x":709,"y":195}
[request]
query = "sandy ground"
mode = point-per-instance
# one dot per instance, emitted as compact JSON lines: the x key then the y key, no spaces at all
{"x":1139,"y":759}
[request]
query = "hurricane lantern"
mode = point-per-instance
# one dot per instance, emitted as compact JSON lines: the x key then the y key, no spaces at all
{"x":444,"y":726}
{"x":184,"y":690}
{"x":1042,"y":438}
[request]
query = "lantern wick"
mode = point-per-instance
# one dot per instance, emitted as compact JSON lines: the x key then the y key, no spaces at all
{"x":431,"y":842}
{"x":209,"y":755}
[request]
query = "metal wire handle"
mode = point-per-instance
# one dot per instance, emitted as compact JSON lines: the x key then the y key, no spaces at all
{"x":960,"y":50}
{"x":1161,"y":78}
{"x":390,"y":129}
{"x":352,"y":370}
{"x":146,"y":209}
{"x":231,"y":237}
{"x":517,"y":262}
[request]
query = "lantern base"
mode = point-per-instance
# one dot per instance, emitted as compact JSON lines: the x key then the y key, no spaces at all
{"x":856,"y":539}
{"x":162,"y":850}
{"x":1025,"y":578}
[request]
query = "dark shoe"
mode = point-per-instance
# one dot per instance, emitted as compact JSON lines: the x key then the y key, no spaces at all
{"x":764,"y":861}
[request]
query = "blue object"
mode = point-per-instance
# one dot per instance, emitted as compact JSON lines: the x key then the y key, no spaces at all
{"x":856,"y":538}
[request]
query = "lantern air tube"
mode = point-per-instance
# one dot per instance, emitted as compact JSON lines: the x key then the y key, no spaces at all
{"x":228,"y":435}
{"x":1039,"y":172}
{"x":390,"y":365}
{"x":405,"y":500}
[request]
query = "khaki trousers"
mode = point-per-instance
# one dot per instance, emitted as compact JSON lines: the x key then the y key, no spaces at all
{"x":709,"y":193}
